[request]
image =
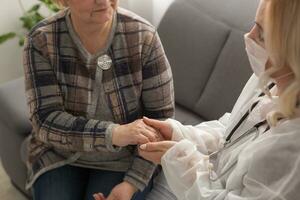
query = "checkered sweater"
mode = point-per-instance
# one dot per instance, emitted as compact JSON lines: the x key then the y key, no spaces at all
{"x":61,"y":83}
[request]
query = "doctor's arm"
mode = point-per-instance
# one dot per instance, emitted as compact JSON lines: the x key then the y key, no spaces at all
{"x":262,"y":172}
{"x":207,"y":136}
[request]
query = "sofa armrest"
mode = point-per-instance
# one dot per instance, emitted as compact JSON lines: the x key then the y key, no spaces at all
{"x":14,"y":113}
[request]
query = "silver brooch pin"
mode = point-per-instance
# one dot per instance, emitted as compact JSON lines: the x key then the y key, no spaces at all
{"x":104,"y":62}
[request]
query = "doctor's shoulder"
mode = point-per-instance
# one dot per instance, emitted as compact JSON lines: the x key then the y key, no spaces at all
{"x":274,"y":156}
{"x":278,"y":146}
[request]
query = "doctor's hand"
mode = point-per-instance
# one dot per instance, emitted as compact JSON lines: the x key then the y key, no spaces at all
{"x":155,"y":151}
{"x":163,"y":127}
{"x":122,"y":191}
{"x":134,"y":133}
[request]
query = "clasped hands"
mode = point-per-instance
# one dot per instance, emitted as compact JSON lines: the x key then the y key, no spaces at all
{"x":153,"y":138}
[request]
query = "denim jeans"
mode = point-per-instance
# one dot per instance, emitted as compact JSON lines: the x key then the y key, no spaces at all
{"x":76,"y":183}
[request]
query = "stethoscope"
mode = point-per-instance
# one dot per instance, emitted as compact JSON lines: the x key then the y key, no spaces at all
{"x":228,"y":142}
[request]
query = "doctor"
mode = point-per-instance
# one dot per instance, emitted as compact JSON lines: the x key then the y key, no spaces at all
{"x":252,"y":153}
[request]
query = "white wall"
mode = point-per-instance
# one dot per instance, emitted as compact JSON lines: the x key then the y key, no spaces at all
{"x":10,"y":11}
{"x":159,"y":8}
{"x":152,"y":10}
{"x":10,"y":52}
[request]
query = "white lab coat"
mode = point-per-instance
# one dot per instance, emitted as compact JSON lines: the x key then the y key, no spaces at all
{"x":261,"y":168}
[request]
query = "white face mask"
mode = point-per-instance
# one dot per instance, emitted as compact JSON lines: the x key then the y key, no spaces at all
{"x":257,"y":55}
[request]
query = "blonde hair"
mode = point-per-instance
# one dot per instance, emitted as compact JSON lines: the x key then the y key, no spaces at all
{"x":282,"y":39}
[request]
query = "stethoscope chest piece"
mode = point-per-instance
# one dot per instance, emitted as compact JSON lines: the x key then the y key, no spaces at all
{"x":104,"y":62}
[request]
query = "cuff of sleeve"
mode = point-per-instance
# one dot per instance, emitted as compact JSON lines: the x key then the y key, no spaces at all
{"x":135,"y":182}
{"x":108,"y":139}
{"x":185,"y":158}
{"x":176,"y":134}
{"x":140,"y":173}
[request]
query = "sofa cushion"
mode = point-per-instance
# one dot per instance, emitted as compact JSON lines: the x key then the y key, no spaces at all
{"x":238,"y":14}
{"x":192,"y":47}
{"x":229,"y":76}
{"x":14,"y":113}
{"x":10,"y":143}
{"x":185,"y":116}
{"x":205,"y":46}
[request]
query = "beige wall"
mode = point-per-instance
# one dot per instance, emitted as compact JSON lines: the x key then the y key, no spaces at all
{"x":152,"y":10}
{"x":159,"y":8}
{"x":10,"y":52}
{"x":10,"y":11}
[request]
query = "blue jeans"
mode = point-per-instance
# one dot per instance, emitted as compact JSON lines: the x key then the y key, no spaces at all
{"x":76,"y":183}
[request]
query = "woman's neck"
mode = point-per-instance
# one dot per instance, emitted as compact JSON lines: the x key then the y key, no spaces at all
{"x":93,"y":37}
{"x":283,"y":82}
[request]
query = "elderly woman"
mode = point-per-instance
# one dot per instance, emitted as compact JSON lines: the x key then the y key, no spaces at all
{"x":252,"y":153}
{"x":91,"y":71}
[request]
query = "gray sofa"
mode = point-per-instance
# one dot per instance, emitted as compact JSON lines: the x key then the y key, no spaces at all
{"x":203,"y":40}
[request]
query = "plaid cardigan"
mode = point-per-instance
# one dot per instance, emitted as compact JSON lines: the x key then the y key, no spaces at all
{"x":61,"y":82}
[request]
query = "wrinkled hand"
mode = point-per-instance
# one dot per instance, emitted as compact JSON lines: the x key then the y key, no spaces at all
{"x":164,"y":128}
{"x":155,"y":151}
{"x":122,"y":191}
{"x":99,"y":196}
{"x":134,"y":133}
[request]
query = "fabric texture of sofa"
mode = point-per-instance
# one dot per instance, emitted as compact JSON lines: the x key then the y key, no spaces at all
{"x":203,"y":40}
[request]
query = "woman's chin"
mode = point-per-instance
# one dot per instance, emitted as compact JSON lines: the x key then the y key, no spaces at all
{"x":101,"y":18}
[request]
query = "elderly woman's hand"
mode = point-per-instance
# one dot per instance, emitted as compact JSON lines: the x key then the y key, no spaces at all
{"x":134,"y":133}
{"x":122,"y":191}
{"x":154,"y":151}
{"x":99,"y":196}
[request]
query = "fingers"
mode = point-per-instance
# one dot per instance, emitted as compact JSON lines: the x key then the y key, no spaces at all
{"x":137,"y":132}
{"x":147,"y":155}
{"x":164,"y":129}
{"x":157,"y":146}
{"x":152,"y":136}
{"x":154,"y":157}
{"x":155,"y":132}
{"x":141,"y":139}
{"x":99,"y":196}
{"x":150,"y":128}
{"x":147,"y":131}
{"x":152,"y":122}
{"x":154,"y":146}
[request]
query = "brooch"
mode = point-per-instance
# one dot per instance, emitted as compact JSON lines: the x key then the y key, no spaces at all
{"x":104,"y":62}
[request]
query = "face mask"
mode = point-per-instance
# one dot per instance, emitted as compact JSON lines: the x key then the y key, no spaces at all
{"x":257,"y":55}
